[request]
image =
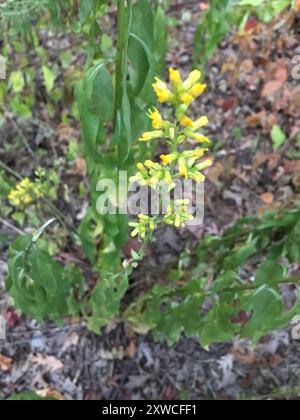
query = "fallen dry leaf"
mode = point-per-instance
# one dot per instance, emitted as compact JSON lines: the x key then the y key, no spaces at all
{"x":256,"y":119}
{"x":228,"y":103}
{"x":275,"y":360}
{"x":203,"y":6}
{"x":247,"y":66}
{"x":71,"y":340}
{"x":214,"y":173}
{"x":50,"y":362}
{"x":291,"y":166}
{"x":272,"y":159}
{"x":297,"y":6}
{"x":65,"y":132}
{"x":296,"y":180}
{"x":247,"y":357}
{"x":251,"y":24}
{"x":50,"y":393}
{"x":5,"y":363}
{"x":267,"y":198}
{"x":80,"y":166}
{"x":295,"y":131}
{"x":282,"y":75}
{"x":131,"y":349}
{"x":271,"y":87}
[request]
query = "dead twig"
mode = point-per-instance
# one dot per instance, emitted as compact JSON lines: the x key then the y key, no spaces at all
{"x":11,"y":226}
{"x":21,"y":134}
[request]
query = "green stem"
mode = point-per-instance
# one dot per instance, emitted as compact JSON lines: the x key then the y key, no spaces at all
{"x":10,"y":171}
{"x":248,"y":287}
{"x":288,"y":280}
{"x":120,"y":58}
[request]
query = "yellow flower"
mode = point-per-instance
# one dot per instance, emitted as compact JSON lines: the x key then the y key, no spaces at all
{"x":193,"y":78}
{"x":144,"y":225}
{"x":200,"y":138}
{"x":197,"y":177}
{"x":168,"y":178}
{"x":186,"y":122}
{"x":183,"y":170}
{"x":25,"y":193}
{"x":157,"y":120}
{"x":168,"y":159}
{"x":149,"y":164}
{"x":175,"y":78}
{"x":195,"y":173}
{"x":142,"y":169}
{"x":178,"y":213}
{"x":151,"y":135}
{"x":201,"y":122}
{"x":197,"y":153}
{"x":162,"y":92}
{"x":186,"y":98}
{"x":197,"y":90}
{"x":205,"y":164}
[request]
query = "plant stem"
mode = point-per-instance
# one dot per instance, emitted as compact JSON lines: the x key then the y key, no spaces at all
{"x":288,"y":280}
{"x":10,"y":171}
{"x":120,"y":59}
{"x":248,"y":287}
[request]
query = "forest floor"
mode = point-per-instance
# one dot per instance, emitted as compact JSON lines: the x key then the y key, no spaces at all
{"x":250,"y":89}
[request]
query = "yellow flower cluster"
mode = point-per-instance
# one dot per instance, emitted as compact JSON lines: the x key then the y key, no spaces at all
{"x":146,"y":224}
{"x":178,"y":214}
{"x":182,"y":92}
{"x":179,"y":163}
{"x":151,"y":174}
{"x":25,"y":193}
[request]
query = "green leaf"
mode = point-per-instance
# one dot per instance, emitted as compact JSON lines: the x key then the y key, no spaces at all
{"x":216,"y":326}
{"x":29,"y":396}
{"x":269,"y":272}
{"x":17,"y":80}
{"x":238,"y":258}
{"x":49,"y":78}
{"x":85,"y":9}
{"x":160,"y":40}
{"x":20,"y":108}
{"x":278,"y":137}
{"x":42,"y":229}
{"x":37,"y":283}
{"x":105,"y":300}
{"x":102,"y":94}
{"x":140,"y":50}
{"x":267,"y":313}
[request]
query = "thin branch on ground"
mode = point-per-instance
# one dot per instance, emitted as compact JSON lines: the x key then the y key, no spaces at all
{"x":11,"y":226}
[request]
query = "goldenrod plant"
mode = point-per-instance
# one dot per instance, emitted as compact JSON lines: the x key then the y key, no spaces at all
{"x":111,"y":102}
{"x":214,"y":302}
{"x":26,"y":192}
{"x":178,"y":164}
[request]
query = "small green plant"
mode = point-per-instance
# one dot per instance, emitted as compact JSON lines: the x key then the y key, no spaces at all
{"x":278,"y":137}
{"x":40,"y":286}
{"x":111,"y":98}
